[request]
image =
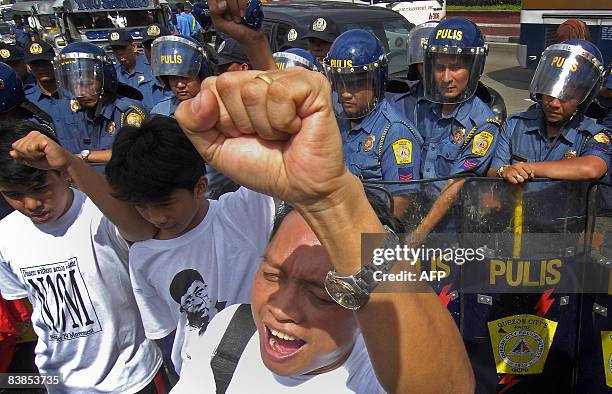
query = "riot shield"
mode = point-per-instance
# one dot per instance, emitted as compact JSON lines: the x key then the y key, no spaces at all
{"x":533,"y":275}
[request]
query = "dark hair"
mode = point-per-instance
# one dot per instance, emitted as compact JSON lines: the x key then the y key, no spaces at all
{"x":382,"y":210}
{"x":11,"y":172}
{"x":181,"y":282}
{"x":180,"y":7}
{"x":151,"y":161}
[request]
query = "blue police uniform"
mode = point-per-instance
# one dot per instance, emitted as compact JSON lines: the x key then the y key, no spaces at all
{"x":407,"y":102}
{"x":141,"y":73}
{"x":525,"y":139}
{"x":153,"y":92}
{"x":96,"y":131}
{"x":383,"y":146}
{"x":462,"y":141}
{"x":55,"y":105}
{"x":166,"y":106}
{"x":29,"y":84}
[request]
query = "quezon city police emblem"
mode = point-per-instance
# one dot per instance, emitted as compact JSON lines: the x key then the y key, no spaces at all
{"x":458,"y":135}
{"x":402,"y":150}
{"x":5,"y":54}
{"x":153,"y":30}
{"x":521,"y":343}
{"x":319,"y":24}
{"x":570,"y":154}
{"x":114,"y":36}
{"x":482,"y":142}
{"x":368,"y":143}
{"x":111,"y":127}
{"x":292,"y":35}
{"x":36,"y":49}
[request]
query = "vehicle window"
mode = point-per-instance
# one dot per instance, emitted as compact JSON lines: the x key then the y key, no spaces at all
{"x":5,"y":28}
{"x":397,"y":38}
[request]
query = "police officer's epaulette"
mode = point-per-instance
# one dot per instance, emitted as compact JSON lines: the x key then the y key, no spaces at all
{"x":472,"y":132}
{"x":382,"y":141}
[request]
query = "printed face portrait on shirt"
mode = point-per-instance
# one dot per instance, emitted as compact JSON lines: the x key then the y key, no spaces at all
{"x":451,"y":74}
{"x":301,"y":329}
{"x":190,"y":291}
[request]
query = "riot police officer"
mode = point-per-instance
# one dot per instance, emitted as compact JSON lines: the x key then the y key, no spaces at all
{"x":379,"y":142}
{"x":152,"y":88}
{"x":180,"y":62}
{"x":555,"y":139}
{"x":99,"y":104}
{"x":460,"y":131}
{"x":297,"y":57}
{"x":407,"y":102}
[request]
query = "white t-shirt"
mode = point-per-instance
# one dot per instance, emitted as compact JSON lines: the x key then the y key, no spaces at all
{"x":356,"y":375}
{"x":221,"y":254}
{"x":75,"y":273}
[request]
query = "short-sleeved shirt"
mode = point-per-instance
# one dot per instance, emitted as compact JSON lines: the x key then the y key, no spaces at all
{"x":96,"y":130}
{"x":460,"y":142}
{"x":74,"y":271}
{"x":153,"y":92}
{"x":222,"y":252}
{"x":166,"y":106}
{"x":525,"y":139}
{"x":385,"y":145}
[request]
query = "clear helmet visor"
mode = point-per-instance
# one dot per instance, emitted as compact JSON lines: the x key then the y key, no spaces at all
{"x":566,"y":72}
{"x":79,"y":77}
{"x":354,"y":94}
{"x":417,"y":39}
{"x":176,"y":56}
{"x":451,"y":77}
{"x":285,"y":60}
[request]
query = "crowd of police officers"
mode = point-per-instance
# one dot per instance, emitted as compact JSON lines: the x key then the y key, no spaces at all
{"x":437,"y":128}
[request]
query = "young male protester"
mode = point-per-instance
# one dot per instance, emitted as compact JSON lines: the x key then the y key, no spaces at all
{"x":59,"y":250}
{"x":304,"y":341}
{"x":202,"y":253}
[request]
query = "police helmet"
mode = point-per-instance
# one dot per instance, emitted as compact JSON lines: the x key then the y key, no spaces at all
{"x":417,"y":38}
{"x":297,"y":57}
{"x":11,"y":88}
{"x":571,"y":70}
{"x":83,"y":69}
{"x":201,"y":12}
{"x":356,"y":61}
{"x":178,"y":56}
{"x":454,"y":60}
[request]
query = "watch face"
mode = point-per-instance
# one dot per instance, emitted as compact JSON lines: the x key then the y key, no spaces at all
{"x":341,"y":292}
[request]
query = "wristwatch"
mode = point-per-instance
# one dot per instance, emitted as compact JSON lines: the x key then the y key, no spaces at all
{"x":500,"y":170}
{"x":353,"y":291}
{"x":85,"y":155}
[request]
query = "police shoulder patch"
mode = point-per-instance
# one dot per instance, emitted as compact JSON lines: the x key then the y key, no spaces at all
{"x":402,"y":150}
{"x":481,"y":143}
{"x":134,"y":119}
{"x":602,"y":137}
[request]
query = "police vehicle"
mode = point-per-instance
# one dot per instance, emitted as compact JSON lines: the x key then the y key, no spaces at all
{"x":285,"y":22}
{"x":92,"y":20}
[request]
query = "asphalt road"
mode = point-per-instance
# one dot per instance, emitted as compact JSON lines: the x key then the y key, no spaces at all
{"x":503,"y":73}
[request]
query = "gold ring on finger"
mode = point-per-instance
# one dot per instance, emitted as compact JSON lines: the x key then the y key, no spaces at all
{"x":265,"y":77}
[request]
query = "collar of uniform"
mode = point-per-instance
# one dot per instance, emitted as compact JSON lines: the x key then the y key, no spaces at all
{"x":367,"y":123}
{"x":415,"y":89}
{"x":568,"y":132}
{"x":460,"y":114}
{"x":38,"y":94}
{"x":106,"y":108}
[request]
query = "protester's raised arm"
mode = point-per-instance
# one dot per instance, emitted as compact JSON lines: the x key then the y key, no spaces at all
{"x":38,"y":150}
